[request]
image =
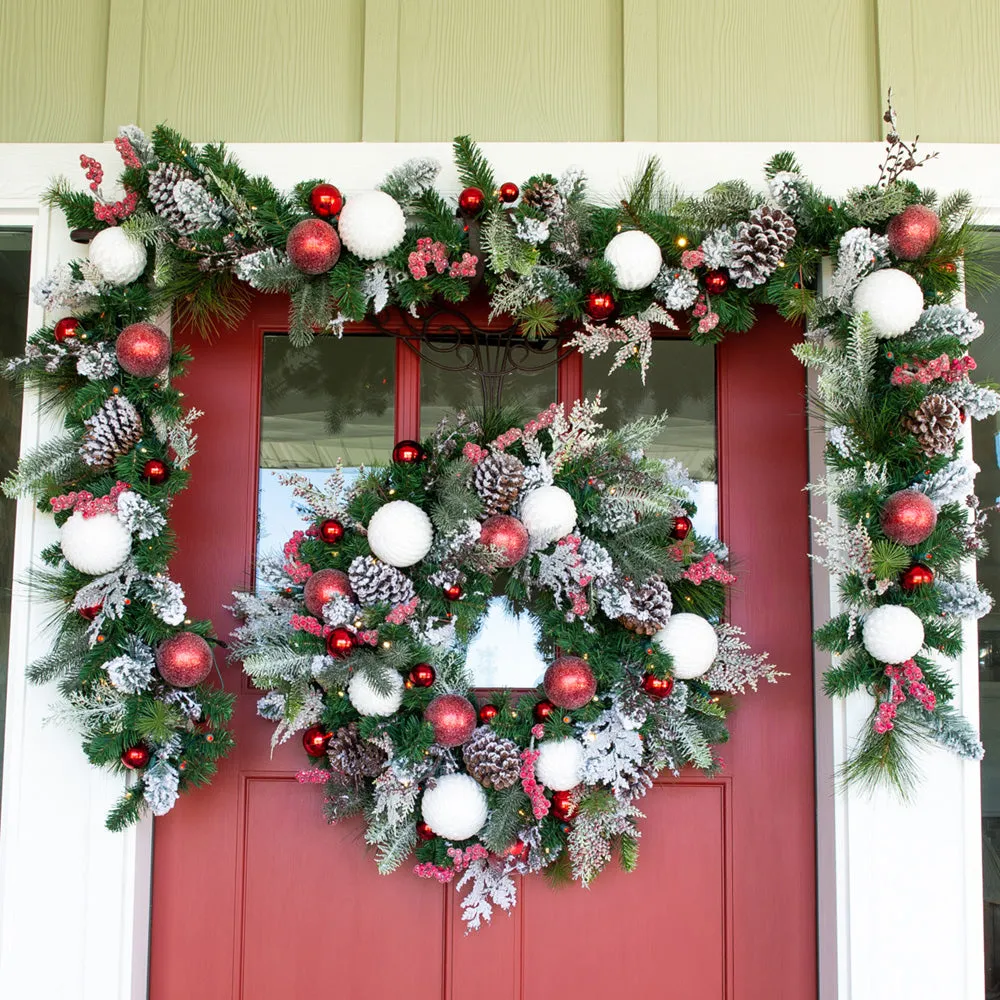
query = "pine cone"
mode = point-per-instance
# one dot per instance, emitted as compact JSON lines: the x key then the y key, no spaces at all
{"x":162,"y":182}
{"x":543,"y":194}
{"x":114,"y":430}
{"x":759,"y":246}
{"x":651,"y":604}
{"x":494,"y":761}
{"x":499,"y":479}
{"x":354,"y":757}
{"x":936,"y":424}
{"x":376,"y":582}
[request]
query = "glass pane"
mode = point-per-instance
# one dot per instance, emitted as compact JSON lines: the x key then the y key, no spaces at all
{"x":680,"y":380}
{"x":331,"y":401}
{"x":15,"y":259}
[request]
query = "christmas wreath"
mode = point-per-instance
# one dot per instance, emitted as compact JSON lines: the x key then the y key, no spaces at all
{"x":363,"y":634}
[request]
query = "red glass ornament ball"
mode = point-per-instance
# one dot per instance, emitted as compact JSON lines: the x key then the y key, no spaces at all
{"x":322,"y":587}
{"x":326,"y":201}
{"x":454,"y":592}
{"x":340,"y":642}
{"x":184,"y":660}
{"x":424,"y":832}
{"x":471,"y":201}
{"x":508,"y":192}
{"x":422,"y":675}
{"x":599,"y":305}
{"x":66,"y":328}
{"x":913,"y":232}
{"x":563,"y":806}
{"x":569,"y":682}
{"x":408,"y":452}
{"x":331,"y":531}
{"x":143,"y":350}
{"x":917,"y":575}
{"x":92,"y":612}
{"x":508,"y":536}
{"x":517,"y":850}
{"x":657,"y":688}
{"x":453,"y":718}
{"x":134,"y":757}
{"x":543,"y":710}
{"x":487,"y":713}
{"x":315,"y":740}
{"x":908,"y":517}
{"x":155,"y":471}
{"x":716,"y":282}
{"x":682,"y":527}
{"x":313,"y":246}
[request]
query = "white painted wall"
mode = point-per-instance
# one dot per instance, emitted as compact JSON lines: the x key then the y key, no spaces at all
{"x":899,"y":885}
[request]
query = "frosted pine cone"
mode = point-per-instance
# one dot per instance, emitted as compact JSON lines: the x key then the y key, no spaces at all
{"x":114,"y":430}
{"x":935,"y":423}
{"x":354,"y":757}
{"x":162,"y":182}
{"x":542,"y":193}
{"x":651,"y":606}
{"x":760,"y":244}
{"x":376,"y":582}
{"x":499,"y":479}
{"x":492,"y":760}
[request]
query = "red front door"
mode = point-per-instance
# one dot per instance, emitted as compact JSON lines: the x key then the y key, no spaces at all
{"x":255,"y":897}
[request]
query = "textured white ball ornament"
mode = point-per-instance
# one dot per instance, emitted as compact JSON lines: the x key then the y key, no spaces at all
{"x":400,"y":533}
{"x":95,"y":545}
{"x":371,"y":224}
{"x":368,"y":701}
{"x":892,"y":299}
{"x":560,"y":764}
{"x":548,"y":513}
{"x":892,"y":633}
{"x":636,"y":258}
{"x":691,"y":642}
{"x":117,"y":257}
{"x":455,"y":808}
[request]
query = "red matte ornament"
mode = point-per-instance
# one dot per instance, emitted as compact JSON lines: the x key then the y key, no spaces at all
{"x":424,"y":832}
{"x":454,"y":592}
{"x":155,"y":471}
{"x":917,"y":575}
{"x":408,"y":452}
{"x":569,"y":682}
{"x":184,"y":660}
{"x":135,"y":757}
{"x":913,"y":232}
{"x":487,"y":713}
{"x":313,"y":246}
{"x":143,"y":349}
{"x":92,"y":612}
{"x":66,"y":328}
{"x":508,"y":192}
{"x":657,"y":688}
{"x":563,"y":807}
{"x":422,"y":675}
{"x":453,"y":718}
{"x":509,"y":535}
{"x":543,"y":710}
{"x":326,"y":201}
{"x":471,"y":201}
{"x":331,"y":531}
{"x":716,"y":282}
{"x":315,"y":740}
{"x":682,"y":528}
{"x":599,"y":305}
{"x":908,"y":517}
{"x":322,"y":587}
{"x":340,"y":643}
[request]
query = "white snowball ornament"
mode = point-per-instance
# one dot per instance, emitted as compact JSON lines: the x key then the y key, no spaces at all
{"x":400,"y":533}
{"x":892,"y":633}
{"x":691,"y":642}
{"x":95,"y":545}
{"x":371,"y":224}
{"x":455,"y":808}
{"x":370,"y":701}
{"x":118,"y":258}
{"x":560,"y":764}
{"x":892,"y":299}
{"x":636,"y":258}
{"x":548,"y":513}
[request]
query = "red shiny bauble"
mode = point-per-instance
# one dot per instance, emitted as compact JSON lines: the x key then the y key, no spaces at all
{"x":453,"y":718}
{"x":543,"y":710}
{"x":487,"y":713}
{"x":599,"y":305}
{"x":917,"y":575}
{"x":92,"y":612}
{"x":422,"y":675}
{"x":508,"y":535}
{"x":454,"y":592}
{"x":569,"y":682}
{"x":908,"y":517}
{"x":716,"y":282}
{"x":326,"y":201}
{"x":508,"y":192}
{"x":155,"y":471}
{"x":408,"y":452}
{"x":313,"y":246}
{"x":424,"y":832}
{"x":563,"y":807}
{"x":322,"y":587}
{"x":143,"y":349}
{"x":66,"y":328}
{"x":682,"y":528}
{"x":340,"y":642}
{"x":470,"y":201}
{"x":331,"y":531}
{"x":517,"y":850}
{"x":913,"y":232}
{"x":137,"y":756}
{"x":657,"y":687}
{"x":315,"y":740}
{"x":184,"y":660}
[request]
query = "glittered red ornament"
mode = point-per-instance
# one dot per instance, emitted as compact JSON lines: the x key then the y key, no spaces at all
{"x":487,"y":713}
{"x":315,"y":740}
{"x":908,"y":517}
{"x":470,"y":201}
{"x":682,"y":528}
{"x":92,"y":612}
{"x":331,"y":531}
{"x":453,"y":718}
{"x":543,"y":710}
{"x":326,"y":201}
{"x":340,"y":642}
{"x":424,"y":832}
{"x":313,"y":246}
{"x":155,"y":471}
{"x":913,"y":232}
{"x":66,"y":328}
{"x":322,"y":587}
{"x":716,"y":282}
{"x":184,"y":660}
{"x":509,"y":535}
{"x":569,"y":682}
{"x":657,"y":687}
{"x":508,"y":192}
{"x":517,"y":850}
{"x":453,"y":593}
{"x":143,"y":349}
{"x":408,"y":452}
{"x":599,"y":305}
{"x":422,"y":675}
{"x":916,"y":576}
{"x":563,"y":807}
{"x":134,"y":757}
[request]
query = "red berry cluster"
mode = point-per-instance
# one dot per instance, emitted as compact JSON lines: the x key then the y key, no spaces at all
{"x":95,"y":172}
{"x":127,"y":153}
{"x":112,"y":212}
